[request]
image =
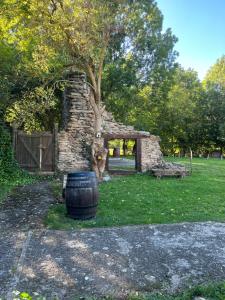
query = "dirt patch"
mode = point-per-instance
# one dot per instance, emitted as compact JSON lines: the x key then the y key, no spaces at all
{"x":26,"y":207}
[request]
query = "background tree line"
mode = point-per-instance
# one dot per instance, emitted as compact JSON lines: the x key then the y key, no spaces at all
{"x":185,"y":112}
{"x":142,"y":84}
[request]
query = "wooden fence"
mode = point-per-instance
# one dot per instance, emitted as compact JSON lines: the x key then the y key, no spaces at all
{"x":37,"y":151}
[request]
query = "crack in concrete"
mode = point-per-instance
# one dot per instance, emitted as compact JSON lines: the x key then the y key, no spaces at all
{"x":15,"y":280}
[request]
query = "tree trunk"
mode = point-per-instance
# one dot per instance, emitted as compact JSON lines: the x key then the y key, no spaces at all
{"x":99,"y":156}
{"x":124,"y":147}
{"x":99,"y":152}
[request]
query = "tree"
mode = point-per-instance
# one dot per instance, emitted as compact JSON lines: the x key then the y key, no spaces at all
{"x":139,"y":67}
{"x":80,"y":28}
{"x":216,"y":74}
{"x":180,"y":125}
{"x":214,"y":105}
{"x":33,"y":111}
{"x":82,"y":33}
{"x":214,"y":118}
{"x":20,"y":78}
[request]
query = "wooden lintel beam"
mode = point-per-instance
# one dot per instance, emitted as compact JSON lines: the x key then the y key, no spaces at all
{"x":123,"y":136}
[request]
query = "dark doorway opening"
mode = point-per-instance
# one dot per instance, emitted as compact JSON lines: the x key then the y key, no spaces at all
{"x":123,"y":155}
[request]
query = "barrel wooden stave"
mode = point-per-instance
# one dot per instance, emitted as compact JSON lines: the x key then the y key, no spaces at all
{"x":81,"y":195}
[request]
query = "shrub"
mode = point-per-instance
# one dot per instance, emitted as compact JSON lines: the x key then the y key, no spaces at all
{"x":8,"y":165}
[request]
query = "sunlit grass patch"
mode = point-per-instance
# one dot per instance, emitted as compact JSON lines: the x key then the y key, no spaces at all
{"x":142,"y":199}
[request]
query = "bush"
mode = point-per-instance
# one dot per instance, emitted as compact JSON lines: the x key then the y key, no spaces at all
{"x":8,"y":165}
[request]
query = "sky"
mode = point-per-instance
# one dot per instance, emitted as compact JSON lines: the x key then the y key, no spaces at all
{"x":200,"y":27}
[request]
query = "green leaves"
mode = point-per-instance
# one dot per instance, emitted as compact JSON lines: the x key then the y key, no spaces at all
{"x":181,"y":124}
{"x":8,"y":166}
{"x":31,"y":111}
{"x":216,"y":74}
{"x":213,"y":105}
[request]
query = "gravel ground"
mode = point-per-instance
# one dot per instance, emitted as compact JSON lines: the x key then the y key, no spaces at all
{"x":26,"y":207}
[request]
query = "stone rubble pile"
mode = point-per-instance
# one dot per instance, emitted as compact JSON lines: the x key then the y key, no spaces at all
{"x":170,"y":166}
{"x":169,"y":169}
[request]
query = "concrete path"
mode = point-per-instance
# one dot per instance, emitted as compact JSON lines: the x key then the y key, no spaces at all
{"x":111,"y":261}
{"x":121,"y":162}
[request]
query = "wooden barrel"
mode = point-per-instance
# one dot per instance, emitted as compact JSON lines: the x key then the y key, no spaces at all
{"x":81,"y":195}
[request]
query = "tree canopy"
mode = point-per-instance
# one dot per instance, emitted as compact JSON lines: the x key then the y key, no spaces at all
{"x":216,"y":74}
{"x":130,"y":62}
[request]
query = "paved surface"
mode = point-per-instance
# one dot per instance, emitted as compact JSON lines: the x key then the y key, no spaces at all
{"x":112,"y":261}
{"x":11,"y":245}
{"x":121,"y":162}
{"x":22,"y":211}
{"x":101,"y":262}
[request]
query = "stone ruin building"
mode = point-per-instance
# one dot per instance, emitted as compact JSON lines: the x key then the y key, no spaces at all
{"x":75,"y":139}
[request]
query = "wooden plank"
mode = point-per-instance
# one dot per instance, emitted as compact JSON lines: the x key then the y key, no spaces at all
{"x":23,"y":156}
{"x":55,"y":140}
{"x":122,"y":172}
{"x":124,"y":136}
{"x":48,"y":153}
{"x":46,"y":145}
{"x":26,"y":165}
{"x":14,"y":142}
{"x":29,"y":150}
{"x":38,"y":134}
{"x":138,"y":155}
{"x":35,"y":151}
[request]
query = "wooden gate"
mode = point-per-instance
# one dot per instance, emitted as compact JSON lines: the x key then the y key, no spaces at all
{"x":36,"y":151}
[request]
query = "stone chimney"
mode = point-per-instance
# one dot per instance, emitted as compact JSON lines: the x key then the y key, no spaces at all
{"x":78,"y":126}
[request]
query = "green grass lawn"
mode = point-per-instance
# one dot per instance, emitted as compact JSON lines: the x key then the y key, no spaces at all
{"x":214,"y":291}
{"x":142,"y":199}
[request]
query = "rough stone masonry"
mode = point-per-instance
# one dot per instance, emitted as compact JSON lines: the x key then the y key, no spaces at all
{"x":76,"y":138}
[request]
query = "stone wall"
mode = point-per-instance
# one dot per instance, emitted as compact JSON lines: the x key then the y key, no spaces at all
{"x":151,"y":154}
{"x":76,"y":138}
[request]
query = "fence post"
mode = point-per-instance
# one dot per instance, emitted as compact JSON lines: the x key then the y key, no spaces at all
{"x":14,"y":139}
{"x":191,"y":158}
{"x":55,"y":135}
{"x":40,"y":155}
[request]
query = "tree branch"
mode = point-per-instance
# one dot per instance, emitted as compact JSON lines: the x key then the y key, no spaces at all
{"x":106,"y":36}
{"x":93,"y":79}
